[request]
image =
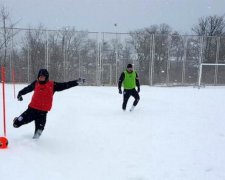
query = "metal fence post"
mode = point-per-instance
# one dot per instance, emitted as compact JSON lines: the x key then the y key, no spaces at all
{"x":168,"y":60}
{"x":184,"y":61}
{"x":200,"y":61}
{"x":153,"y":59}
{"x":217,"y":59}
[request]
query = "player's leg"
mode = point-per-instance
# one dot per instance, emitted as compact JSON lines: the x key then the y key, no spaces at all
{"x":39,"y":124}
{"x":136,"y":99}
{"x":126,"y":96}
{"x":26,"y":117}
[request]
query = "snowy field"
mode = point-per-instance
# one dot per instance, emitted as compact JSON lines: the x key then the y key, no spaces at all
{"x":173,"y":134}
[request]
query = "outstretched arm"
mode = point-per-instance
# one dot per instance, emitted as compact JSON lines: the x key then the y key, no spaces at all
{"x":26,"y":90}
{"x":65,"y":85}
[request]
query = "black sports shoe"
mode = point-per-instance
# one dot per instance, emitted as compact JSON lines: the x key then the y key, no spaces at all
{"x":37,"y":134}
{"x":14,"y":125}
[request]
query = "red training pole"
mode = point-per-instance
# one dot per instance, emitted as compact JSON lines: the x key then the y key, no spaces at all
{"x":3,"y":98}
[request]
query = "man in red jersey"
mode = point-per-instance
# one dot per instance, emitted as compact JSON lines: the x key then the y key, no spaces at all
{"x":41,"y":101}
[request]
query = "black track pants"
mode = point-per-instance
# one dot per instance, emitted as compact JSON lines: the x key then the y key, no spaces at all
{"x":126,"y":96}
{"x":39,"y":118}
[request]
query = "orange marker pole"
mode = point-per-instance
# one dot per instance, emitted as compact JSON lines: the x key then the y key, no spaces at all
{"x":3,"y":99}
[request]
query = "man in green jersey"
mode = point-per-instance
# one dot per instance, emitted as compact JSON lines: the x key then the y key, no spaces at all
{"x":129,"y":80}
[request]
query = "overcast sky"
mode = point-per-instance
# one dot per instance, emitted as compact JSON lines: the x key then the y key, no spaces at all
{"x":101,"y":15}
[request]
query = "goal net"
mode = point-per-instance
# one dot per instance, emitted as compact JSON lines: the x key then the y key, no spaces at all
{"x":212,"y":71}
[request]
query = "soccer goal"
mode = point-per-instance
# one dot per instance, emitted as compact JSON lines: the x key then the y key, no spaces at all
{"x":200,"y":70}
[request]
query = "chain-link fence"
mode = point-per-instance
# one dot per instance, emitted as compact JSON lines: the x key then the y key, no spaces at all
{"x":101,"y":57}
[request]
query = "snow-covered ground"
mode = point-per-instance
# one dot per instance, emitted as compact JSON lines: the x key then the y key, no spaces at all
{"x":173,"y":134}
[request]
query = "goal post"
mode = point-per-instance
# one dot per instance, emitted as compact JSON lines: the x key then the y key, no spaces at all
{"x":200,"y":70}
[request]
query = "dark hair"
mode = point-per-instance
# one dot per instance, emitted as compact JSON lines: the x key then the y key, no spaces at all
{"x":129,"y":66}
{"x":44,"y":72}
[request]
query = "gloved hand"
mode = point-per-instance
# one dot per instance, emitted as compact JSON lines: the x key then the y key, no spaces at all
{"x":81,"y":80}
{"x":120,"y":91}
{"x":19,"y":97}
{"x":138,"y":90}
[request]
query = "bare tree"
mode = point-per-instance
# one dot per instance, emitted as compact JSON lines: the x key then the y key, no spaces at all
{"x":34,"y":50}
{"x":6,"y":32}
{"x":210,"y":28}
{"x":143,"y":40}
{"x":76,"y":48}
{"x":6,"y":35}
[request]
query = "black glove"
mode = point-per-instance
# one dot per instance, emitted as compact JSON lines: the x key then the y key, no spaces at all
{"x":120,"y":91}
{"x":19,"y":97}
{"x":138,"y":90}
{"x":81,"y":80}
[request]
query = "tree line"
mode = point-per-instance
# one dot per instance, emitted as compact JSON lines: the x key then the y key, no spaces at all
{"x":68,"y":53}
